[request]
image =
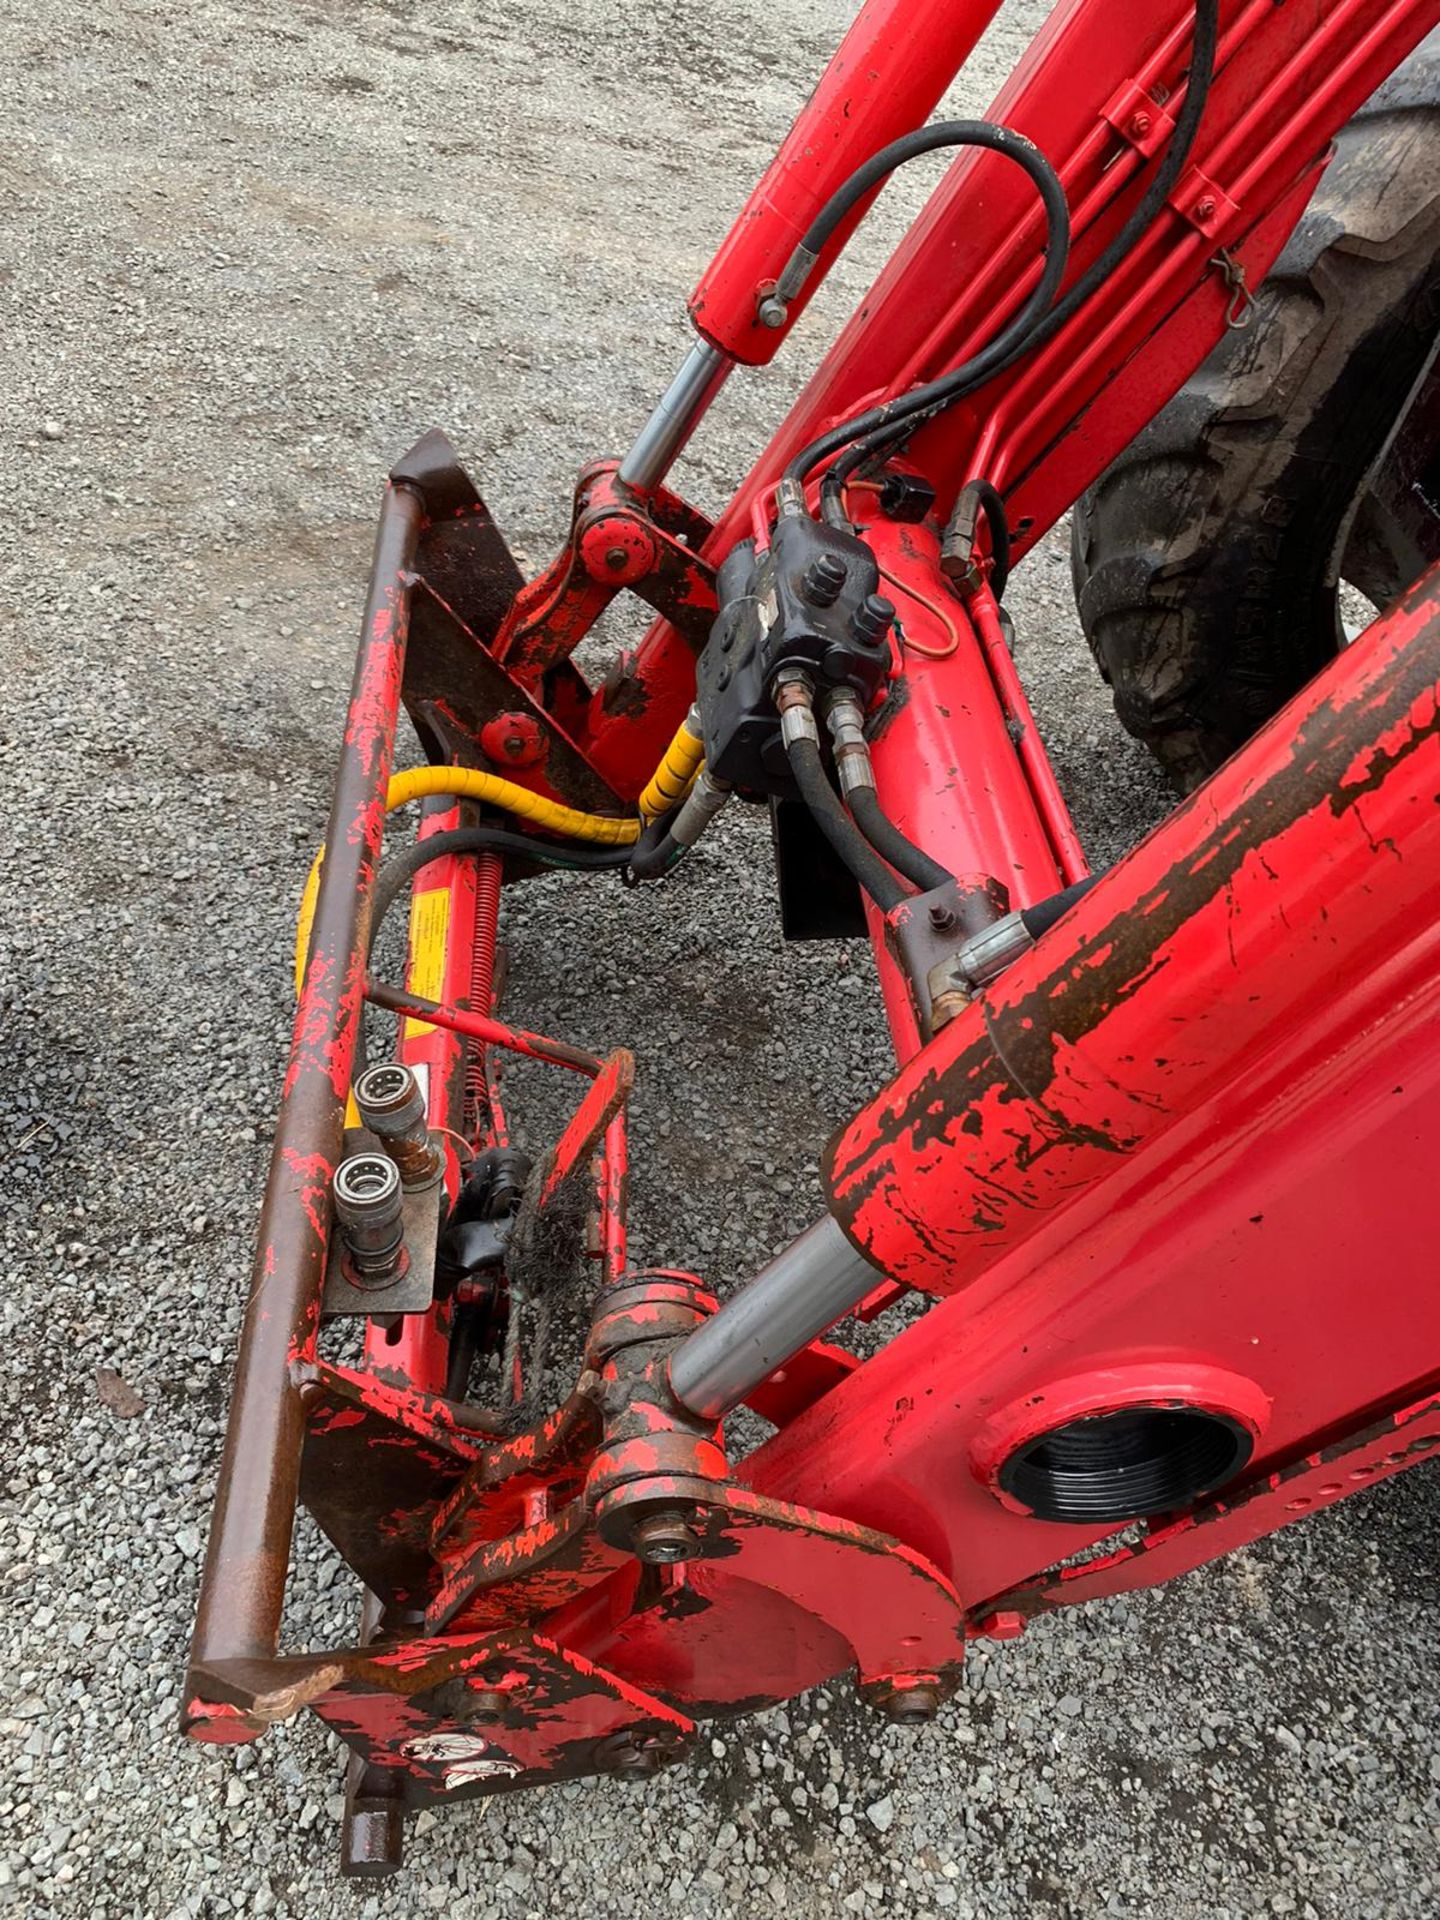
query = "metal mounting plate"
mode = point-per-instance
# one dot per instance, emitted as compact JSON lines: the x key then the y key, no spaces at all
{"x":414,"y":1291}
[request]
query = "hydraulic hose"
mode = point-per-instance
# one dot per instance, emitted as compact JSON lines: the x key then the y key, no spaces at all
{"x":975,"y":497}
{"x":839,"y":829}
{"x":1012,"y":339}
{"x":675,"y":775}
{"x":401,"y":868}
{"x":880,"y":428}
{"x":468,"y":783}
{"x":893,"y":845}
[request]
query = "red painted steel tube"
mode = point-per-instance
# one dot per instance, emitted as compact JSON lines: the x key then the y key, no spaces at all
{"x":947,"y":769}
{"x":885,"y":79}
{"x":1226,"y":928}
{"x":952,"y":279}
{"x":242,"y":1588}
{"x":1049,"y":801}
{"x":535,"y":1046}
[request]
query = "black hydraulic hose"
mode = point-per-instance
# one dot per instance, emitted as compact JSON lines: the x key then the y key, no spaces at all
{"x":654,"y":853}
{"x":875,"y":427}
{"x":402,"y":867}
{"x":974,"y":498}
{"x":839,"y":829}
{"x":1013,"y":337}
{"x":891,"y":844}
{"x":909,"y":146}
{"x":1043,"y":915}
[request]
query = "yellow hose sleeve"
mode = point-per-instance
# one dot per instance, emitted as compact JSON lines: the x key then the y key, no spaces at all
{"x":468,"y":783}
{"x":676,"y":773}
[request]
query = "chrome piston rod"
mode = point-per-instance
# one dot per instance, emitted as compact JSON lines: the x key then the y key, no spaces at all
{"x":806,"y":1288}
{"x":676,"y":416}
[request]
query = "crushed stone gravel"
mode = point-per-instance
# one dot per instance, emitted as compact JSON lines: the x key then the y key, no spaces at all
{"x":249,"y":252}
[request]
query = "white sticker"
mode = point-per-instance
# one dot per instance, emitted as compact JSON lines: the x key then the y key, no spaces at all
{"x":468,"y":1756}
{"x":471,"y":1770}
{"x":447,"y":1746}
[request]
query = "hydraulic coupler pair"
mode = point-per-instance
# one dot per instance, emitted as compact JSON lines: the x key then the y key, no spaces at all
{"x":387,"y":1199}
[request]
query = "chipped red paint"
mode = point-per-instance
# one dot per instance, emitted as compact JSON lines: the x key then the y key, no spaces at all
{"x":618,"y":541}
{"x":526,"y":1575}
{"x":1151,"y":1157}
{"x":494,"y":1033}
{"x":1279,"y":877}
{"x":885,"y":1609}
{"x":604,"y":1099}
{"x":242,"y":1587}
{"x":613,"y":1186}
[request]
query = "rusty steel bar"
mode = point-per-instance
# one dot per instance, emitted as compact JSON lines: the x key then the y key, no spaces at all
{"x":242,"y":1588}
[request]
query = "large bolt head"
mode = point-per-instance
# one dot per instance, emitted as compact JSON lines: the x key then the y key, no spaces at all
{"x":824,"y":578}
{"x":664,"y":1539}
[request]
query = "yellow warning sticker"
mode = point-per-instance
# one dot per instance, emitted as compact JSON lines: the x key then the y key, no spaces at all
{"x":429,"y":926}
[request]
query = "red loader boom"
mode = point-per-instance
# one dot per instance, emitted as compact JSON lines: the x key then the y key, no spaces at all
{"x":1144,"y":1131}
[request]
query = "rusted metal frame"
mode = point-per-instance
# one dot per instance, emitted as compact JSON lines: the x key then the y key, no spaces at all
{"x":464,"y":706}
{"x":1317,"y":1480}
{"x":524,"y":1575}
{"x":511,"y":1710}
{"x":565,"y":1439}
{"x":243,"y":1583}
{"x":499,"y":1567}
{"x":401,"y":1709}
{"x":613,"y":1189}
{"x":469,"y":708}
{"x":379,"y":1458}
{"x":581,"y":1137}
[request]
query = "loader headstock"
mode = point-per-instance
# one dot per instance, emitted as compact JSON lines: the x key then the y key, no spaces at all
{"x":1119,"y":1157}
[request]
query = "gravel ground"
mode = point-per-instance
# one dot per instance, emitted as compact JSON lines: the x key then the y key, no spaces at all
{"x":250,"y":250}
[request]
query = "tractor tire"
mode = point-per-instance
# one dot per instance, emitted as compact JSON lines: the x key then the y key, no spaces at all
{"x":1305,"y":451}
